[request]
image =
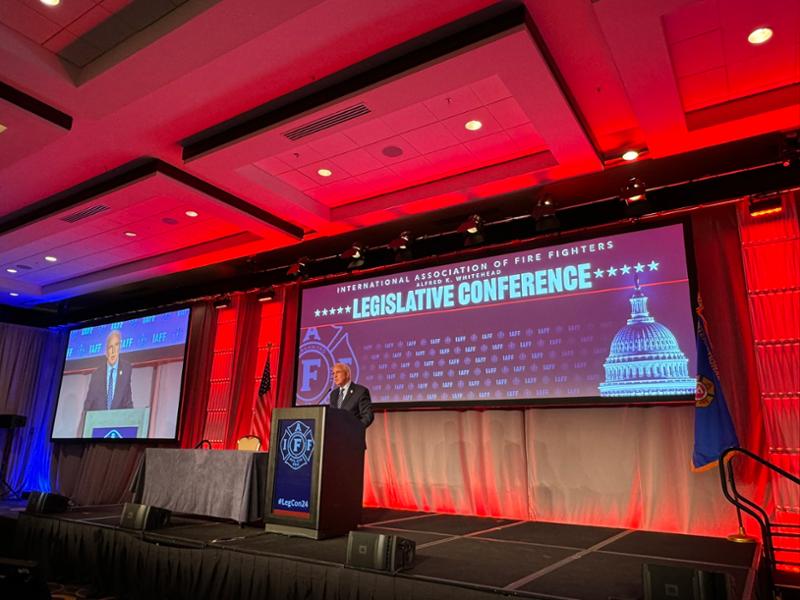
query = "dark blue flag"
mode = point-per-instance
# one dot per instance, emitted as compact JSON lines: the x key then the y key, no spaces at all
{"x":713,"y":428}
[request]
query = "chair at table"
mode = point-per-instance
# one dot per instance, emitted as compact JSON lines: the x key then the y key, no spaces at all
{"x":249,"y":442}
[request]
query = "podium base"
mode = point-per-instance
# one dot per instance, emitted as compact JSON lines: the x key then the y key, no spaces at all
{"x":297,"y":531}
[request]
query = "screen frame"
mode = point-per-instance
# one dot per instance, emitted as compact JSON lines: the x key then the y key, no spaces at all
{"x":114,"y":319}
{"x":507,"y":248}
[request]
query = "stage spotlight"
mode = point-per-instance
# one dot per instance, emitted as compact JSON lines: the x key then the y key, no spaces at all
{"x":268,"y":295}
{"x":299,"y":270}
{"x":765,"y":205}
{"x":472,"y":230}
{"x":354,"y":255}
{"x":401,"y":245}
{"x":633,"y":191}
{"x":544,"y":215}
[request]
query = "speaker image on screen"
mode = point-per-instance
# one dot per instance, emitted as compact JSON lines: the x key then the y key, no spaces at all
{"x":22,"y":579}
{"x":379,"y":552}
{"x":664,"y":582}
{"x":45,"y":502}
{"x":143,"y":516}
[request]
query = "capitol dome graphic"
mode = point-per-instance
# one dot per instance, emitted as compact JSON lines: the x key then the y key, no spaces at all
{"x":645,"y":359}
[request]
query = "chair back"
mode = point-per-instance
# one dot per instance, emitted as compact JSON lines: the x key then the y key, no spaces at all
{"x":249,"y":442}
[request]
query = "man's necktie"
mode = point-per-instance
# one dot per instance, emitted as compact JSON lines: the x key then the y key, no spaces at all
{"x":110,"y":395}
{"x":341,"y":398}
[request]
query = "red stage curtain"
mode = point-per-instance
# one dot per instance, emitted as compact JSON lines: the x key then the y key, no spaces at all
{"x":243,"y":388}
{"x":721,"y":282}
{"x":286,"y":370}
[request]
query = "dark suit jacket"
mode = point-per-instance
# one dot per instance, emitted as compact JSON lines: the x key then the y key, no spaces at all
{"x":96,"y":396}
{"x":357,"y":402}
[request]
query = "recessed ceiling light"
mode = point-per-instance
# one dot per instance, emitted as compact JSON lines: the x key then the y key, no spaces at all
{"x":324,"y":172}
{"x":15,"y":294}
{"x":50,"y":258}
{"x":473,"y":125}
{"x":11,"y":270}
{"x":2,"y":128}
{"x":130,"y":234}
{"x":630,"y":155}
{"x":192,"y":213}
{"x":50,"y":2}
{"x":759,"y":35}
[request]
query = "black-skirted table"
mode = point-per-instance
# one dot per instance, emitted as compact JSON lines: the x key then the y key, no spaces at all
{"x":228,"y":484}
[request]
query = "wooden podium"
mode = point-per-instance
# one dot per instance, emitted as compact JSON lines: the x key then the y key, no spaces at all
{"x":315,"y":480}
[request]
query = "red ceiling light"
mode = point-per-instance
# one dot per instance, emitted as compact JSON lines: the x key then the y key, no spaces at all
{"x":473,"y":125}
{"x":324,"y":172}
{"x":630,"y":155}
{"x":760,"y":35}
{"x":192,"y":213}
{"x":760,"y":207}
{"x":50,"y":3}
{"x":130,"y":234}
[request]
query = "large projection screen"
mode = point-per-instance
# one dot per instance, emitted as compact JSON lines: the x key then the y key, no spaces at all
{"x":123,"y":380}
{"x":607,"y":320}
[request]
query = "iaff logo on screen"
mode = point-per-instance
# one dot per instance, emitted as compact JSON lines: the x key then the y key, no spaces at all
{"x":297,"y":444}
{"x":320,"y":349}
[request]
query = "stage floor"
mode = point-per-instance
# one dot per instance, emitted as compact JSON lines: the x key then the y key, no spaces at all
{"x":465,"y":556}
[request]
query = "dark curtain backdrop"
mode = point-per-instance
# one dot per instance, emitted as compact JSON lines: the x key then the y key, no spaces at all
{"x":197,"y":379}
{"x":30,"y":361}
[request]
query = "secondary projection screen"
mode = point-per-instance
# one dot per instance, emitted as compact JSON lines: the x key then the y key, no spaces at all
{"x":123,"y":380}
{"x":603,"y":320}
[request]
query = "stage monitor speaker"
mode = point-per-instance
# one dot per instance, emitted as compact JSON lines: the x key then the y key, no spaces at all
{"x":45,"y":502}
{"x":143,"y":516}
{"x":22,"y":579}
{"x":379,"y":552}
{"x":665,"y":582}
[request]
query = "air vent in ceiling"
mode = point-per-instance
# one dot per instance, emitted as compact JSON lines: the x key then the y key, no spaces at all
{"x":85,"y":213}
{"x":326,"y":122}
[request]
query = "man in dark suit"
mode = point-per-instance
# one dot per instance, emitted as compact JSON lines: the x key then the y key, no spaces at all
{"x":110,"y":385}
{"x":349,"y":395}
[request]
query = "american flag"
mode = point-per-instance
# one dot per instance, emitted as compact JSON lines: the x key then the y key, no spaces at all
{"x":263,"y":408}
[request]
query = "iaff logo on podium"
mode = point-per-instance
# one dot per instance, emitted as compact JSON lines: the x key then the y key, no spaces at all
{"x":321,"y":348}
{"x":297,"y":444}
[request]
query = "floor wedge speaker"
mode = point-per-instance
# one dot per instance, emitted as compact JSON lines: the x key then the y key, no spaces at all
{"x":45,"y":502}
{"x":379,"y":552}
{"x":143,"y":516}
{"x":668,"y":582}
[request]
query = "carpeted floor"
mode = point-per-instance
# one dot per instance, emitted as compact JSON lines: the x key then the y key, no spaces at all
{"x":60,"y":591}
